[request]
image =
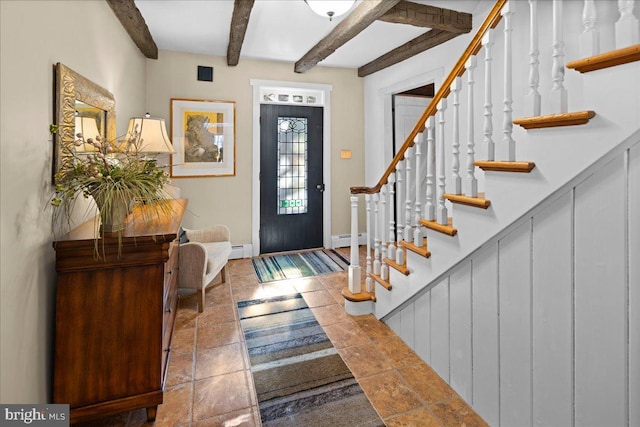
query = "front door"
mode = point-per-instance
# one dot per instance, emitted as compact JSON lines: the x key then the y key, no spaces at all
{"x":291,"y":182}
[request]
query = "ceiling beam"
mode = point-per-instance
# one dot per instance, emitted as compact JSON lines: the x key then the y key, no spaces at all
{"x":422,"y":15}
{"x":239,"y":23}
{"x":133,"y":22}
{"x":413,"y":47}
{"x":359,"y":19}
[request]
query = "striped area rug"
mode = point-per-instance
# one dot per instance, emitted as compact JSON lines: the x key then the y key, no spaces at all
{"x":299,"y":264}
{"x":299,"y":376}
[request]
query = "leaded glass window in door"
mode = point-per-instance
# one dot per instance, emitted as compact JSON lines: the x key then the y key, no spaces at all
{"x":292,"y":165}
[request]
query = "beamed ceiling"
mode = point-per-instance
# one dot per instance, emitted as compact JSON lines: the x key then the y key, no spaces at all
{"x":426,"y":26}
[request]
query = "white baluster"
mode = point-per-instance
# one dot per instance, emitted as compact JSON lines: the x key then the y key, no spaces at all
{"x":455,"y":166}
{"x":590,"y":38}
{"x":408,"y":231}
{"x":430,"y":211}
{"x":399,"y":198}
{"x":442,"y":215}
{"x":471,"y":169}
{"x":354,"y":267}
{"x":383,"y":222}
{"x":533,"y":97}
{"x":369,"y":280}
{"x":376,"y":252}
{"x":391,"y":253}
{"x":417,"y":229}
{"x":384,"y":268}
{"x":487,"y":43}
{"x":507,"y":122}
{"x":384,"y":271}
{"x":627,"y":28}
{"x":400,"y":255}
{"x":558,"y":91}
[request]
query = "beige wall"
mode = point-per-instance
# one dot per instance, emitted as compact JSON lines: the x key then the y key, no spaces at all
{"x":227,"y":200}
{"x":87,"y":37}
{"x":37,"y":34}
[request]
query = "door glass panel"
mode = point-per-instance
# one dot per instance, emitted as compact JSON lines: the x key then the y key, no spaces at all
{"x":292,"y":165}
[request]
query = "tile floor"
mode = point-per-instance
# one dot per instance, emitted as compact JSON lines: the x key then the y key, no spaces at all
{"x":209,"y":382}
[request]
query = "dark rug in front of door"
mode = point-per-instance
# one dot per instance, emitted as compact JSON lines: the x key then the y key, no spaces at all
{"x":300,"y":378}
{"x":293,"y":265}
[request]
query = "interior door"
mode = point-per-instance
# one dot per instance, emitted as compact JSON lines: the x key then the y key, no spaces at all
{"x":407,"y":110}
{"x":291,"y":181}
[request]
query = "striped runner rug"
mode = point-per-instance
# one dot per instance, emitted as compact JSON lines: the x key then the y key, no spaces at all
{"x":300,"y":378}
{"x":299,"y":264}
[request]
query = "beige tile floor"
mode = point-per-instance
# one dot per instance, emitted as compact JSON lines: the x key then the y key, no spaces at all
{"x":209,"y":382}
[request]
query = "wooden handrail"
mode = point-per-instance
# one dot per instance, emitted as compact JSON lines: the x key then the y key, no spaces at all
{"x":458,"y":70}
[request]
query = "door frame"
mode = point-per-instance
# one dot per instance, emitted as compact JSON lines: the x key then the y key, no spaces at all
{"x":435,"y":75}
{"x":323,"y":97}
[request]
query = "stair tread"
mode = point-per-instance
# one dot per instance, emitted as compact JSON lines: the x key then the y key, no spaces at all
{"x":553,"y":120}
{"x":361,"y":297}
{"x":477,"y":202}
{"x":606,"y":60}
{"x":401,"y":268}
{"x":422,"y":251}
{"x":385,"y":284}
{"x":504,"y":166}
{"x":445,"y":229}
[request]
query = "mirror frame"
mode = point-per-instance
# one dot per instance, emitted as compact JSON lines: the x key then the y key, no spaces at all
{"x":69,"y":88}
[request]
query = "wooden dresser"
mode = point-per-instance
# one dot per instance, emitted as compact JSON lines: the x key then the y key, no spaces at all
{"x":115,"y":315}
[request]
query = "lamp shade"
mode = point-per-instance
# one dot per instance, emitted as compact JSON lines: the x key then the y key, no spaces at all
{"x":330,"y":8}
{"x":88,"y":128}
{"x":149,"y":135}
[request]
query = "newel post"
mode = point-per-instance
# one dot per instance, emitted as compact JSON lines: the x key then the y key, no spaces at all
{"x":369,"y":268}
{"x":354,"y":268}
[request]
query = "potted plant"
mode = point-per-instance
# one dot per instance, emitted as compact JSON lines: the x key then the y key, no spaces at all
{"x":115,"y":174}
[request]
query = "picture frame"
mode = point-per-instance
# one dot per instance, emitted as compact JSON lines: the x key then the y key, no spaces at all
{"x":203,"y":135}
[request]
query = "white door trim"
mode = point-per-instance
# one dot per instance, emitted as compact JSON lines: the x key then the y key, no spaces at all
{"x":432,"y":76}
{"x":325,"y":102}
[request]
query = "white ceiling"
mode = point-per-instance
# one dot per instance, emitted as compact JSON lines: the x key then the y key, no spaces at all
{"x":279,"y":30}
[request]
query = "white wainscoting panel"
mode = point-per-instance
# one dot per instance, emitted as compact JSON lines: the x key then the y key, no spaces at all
{"x":600,"y":303}
{"x":460,"y":324}
{"x":541,"y":325}
{"x":486,"y":357}
{"x":514,"y":275}
{"x":440,"y":329}
{"x":395,"y":325}
{"x":634,"y":285}
{"x":407,"y":325}
{"x":553,"y":314}
{"x":422,"y":316}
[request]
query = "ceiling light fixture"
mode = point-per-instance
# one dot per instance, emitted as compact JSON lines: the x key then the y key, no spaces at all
{"x":330,"y":8}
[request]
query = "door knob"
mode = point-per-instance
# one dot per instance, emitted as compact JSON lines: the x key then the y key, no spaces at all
{"x":320,"y":187}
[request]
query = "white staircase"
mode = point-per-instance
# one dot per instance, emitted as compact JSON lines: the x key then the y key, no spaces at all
{"x":525,"y":294}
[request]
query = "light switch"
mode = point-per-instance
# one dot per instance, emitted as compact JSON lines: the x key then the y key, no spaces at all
{"x":345,"y":154}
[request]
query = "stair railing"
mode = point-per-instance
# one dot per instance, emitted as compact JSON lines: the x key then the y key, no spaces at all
{"x":405,"y":232}
{"x":492,"y":20}
{"x":427,"y":138}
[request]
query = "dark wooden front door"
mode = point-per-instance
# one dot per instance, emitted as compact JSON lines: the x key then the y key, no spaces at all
{"x":291,"y":182}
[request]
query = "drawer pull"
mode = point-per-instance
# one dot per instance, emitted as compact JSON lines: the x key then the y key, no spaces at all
{"x":168,"y":310}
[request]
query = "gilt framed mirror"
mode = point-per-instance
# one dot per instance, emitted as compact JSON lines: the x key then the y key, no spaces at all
{"x":80,"y":103}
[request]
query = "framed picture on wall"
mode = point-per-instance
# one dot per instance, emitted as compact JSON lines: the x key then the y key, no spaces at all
{"x":203,"y":135}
